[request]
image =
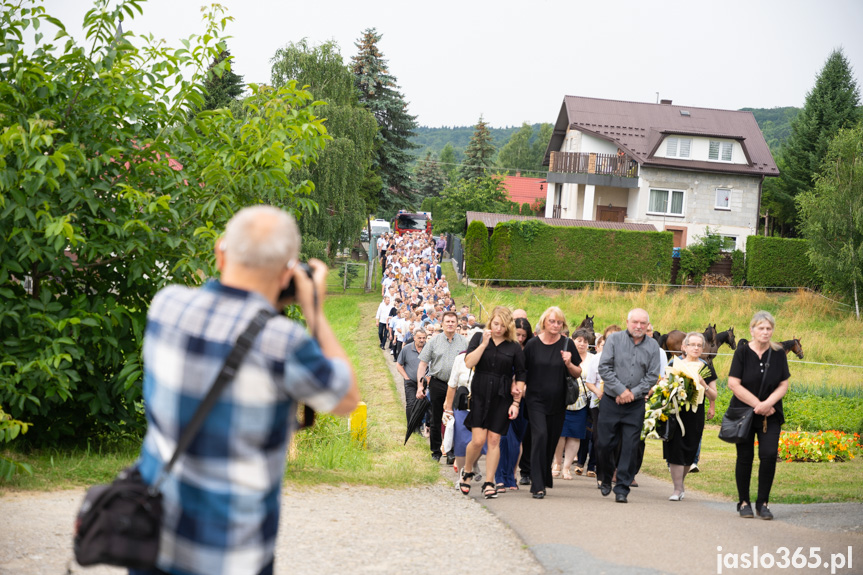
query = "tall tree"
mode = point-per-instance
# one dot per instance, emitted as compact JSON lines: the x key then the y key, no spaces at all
{"x":832,"y":216}
{"x":223,"y":86}
{"x":343,"y":166}
{"x":481,"y":194}
{"x":379,"y":92}
{"x":831,"y":105}
{"x":430,"y":178}
{"x":516,"y":154}
{"x":479,"y":154}
{"x":540,"y":144}
{"x":448,"y":162}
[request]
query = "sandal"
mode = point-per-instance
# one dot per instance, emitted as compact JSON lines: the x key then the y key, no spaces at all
{"x":489,"y":491}
{"x":555,"y":470}
{"x":500,"y":488}
{"x":591,"y":473}
{"x":464,"y":484}
{"x":579,"y":470}
{"x":566,"y":474}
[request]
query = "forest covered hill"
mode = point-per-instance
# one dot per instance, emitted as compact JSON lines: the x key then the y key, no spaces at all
{"x":775,"y":124}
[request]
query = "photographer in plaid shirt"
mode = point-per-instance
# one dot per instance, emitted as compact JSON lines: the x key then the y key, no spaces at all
{"x":221,"y":500}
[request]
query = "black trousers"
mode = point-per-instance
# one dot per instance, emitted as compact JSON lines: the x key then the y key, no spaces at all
{"x":768,"y":447}
{"x":437,"y":396}
{"x":524,"y":462}
{"x":382,"y":333}
{"x":619,"y":424}
{"x":410,"y":397}
{"x":544,"y":432}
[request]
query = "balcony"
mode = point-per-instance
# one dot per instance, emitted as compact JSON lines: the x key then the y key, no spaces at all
{"x":555,"y":211}
{"x":616,"y":170}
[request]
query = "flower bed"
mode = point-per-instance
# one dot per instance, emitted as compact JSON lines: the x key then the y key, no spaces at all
{"x":834,"y":446}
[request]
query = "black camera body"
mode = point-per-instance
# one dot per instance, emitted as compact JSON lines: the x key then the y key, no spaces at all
{"x":291,"y":290}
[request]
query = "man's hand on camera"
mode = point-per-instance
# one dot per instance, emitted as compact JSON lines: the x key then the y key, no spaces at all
{"x":306,"y":289}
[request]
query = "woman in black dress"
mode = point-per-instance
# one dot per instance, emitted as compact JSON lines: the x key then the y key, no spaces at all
{"x":494,"y":398}
{"x":680,"y":449}
{"x":748,"y":367}
{"x":547,"y":366}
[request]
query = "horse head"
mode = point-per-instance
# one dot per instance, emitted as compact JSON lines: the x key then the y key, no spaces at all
{"x":587,"y":321}
{"x":797,"y":348}
{"x":732,"y":342}
{"x":710,"y":334}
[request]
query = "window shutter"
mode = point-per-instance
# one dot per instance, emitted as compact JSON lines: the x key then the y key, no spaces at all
{"x":685,"y":144}
{"x":713,"y":154}
{"x":726,"y":151}
{"x":671,"y":150}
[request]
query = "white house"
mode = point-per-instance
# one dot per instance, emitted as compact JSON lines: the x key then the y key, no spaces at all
{"x":679,"y":168}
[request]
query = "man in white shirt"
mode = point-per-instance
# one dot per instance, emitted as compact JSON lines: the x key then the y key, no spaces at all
{"x":381,"y":318}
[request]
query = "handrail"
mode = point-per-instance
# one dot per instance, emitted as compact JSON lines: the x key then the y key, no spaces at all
{"x":621,"y":165}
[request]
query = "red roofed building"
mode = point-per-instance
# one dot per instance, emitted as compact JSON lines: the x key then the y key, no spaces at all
{"x":525,"y":190}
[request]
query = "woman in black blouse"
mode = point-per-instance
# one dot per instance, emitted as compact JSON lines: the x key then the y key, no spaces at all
{"x":547,"y":366}
{"x":494,"y":398}
{"x":745,"y":380}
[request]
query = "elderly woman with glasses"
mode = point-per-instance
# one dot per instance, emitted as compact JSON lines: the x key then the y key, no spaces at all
{"x":549,"y":358}
{"x":682,"y":444}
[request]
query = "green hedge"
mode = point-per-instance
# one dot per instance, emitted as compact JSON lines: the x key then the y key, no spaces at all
{"x":475,"y":249}
{"x":532,"y":250}
{"x":778,"y":262}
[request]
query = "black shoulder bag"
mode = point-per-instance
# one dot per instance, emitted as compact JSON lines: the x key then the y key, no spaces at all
{"x":572,"y":388}
{"x":120,"y":524}
{"x":737,"y":421}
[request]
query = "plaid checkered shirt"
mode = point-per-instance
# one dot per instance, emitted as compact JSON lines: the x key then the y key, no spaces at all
{"x":221,"y":499}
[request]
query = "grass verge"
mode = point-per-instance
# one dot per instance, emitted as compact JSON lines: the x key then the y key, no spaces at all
{"x":794,"y":482}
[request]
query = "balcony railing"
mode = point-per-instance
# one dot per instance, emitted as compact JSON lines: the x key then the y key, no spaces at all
{"x":603,"y":164}
{"x":555,"y":211}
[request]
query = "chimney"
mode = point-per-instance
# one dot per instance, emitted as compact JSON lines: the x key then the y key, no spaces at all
{"x":518,"y":174}
{"x":666,"y":102}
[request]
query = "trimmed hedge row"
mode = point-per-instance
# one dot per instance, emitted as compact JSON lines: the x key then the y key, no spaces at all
{"x":779,"y":262}
{"x":532,"y":250}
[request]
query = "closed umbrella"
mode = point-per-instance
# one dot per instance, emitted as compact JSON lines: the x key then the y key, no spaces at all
{"x":416,"y":418}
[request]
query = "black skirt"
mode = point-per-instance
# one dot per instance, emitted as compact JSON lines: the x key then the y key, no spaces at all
{"x":490,"y":398}
{"x":681,"y":449}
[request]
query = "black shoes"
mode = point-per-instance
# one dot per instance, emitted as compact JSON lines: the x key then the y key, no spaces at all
{"x":525,"y":480}
{"x":436,"y":457}
{"x":605,"y":489}
{"x":764,"y":512}
{"x":745,"y":510}
{"x":450,"y":459}
{"x":620,"y":498}
{"x":539,"y":495}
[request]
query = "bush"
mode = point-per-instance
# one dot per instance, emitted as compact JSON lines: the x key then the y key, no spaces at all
{"x":698,"y":257}
{"x":475,"y":249}
{"x":738,"y":267}
{"x":778,"y":262}
{"x":532,"y":250}
{"x":525,"y":209}
{"x":832,"y":446}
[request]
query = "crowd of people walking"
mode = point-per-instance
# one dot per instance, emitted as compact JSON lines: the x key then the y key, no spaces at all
{"x":502,"y":387}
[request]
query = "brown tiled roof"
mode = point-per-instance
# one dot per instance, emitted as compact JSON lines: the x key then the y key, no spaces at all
{"x":491,"y":220}
{"x":638,"y":128}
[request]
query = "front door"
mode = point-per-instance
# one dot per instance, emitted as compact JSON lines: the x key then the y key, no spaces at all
{"x":610,"y":214}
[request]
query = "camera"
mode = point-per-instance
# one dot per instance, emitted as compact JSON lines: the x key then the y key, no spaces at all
{"x":291,"y":290}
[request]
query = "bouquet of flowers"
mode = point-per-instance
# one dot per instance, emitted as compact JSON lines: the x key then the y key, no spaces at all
{"x":677,"y":391}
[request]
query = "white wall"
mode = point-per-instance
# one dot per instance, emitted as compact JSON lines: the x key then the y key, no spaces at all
{"x":579,"y":142}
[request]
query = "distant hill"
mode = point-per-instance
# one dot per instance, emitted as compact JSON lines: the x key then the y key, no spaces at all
{"x":775,"y":124}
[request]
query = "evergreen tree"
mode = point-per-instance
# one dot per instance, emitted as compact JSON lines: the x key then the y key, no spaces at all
{"x":479,"y":154}
{"x":341,"y":173}
{"x":830,"y":106}
{"x":223,"y":85}
{"x":430,"y":178}
{"x":379,"y":92}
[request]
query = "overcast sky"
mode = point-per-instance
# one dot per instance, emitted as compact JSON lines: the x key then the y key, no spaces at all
{"x":515,"y":61}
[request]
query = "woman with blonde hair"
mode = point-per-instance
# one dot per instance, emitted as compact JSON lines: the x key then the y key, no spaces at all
{"x":549,"y":358}
{"x":495,"y":399}
{"x":682,"y":444}
{"x":759,"y":378}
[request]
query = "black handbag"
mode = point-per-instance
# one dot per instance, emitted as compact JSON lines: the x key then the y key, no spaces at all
{"x":120,"y":523}
{"x":737,"y":421}
{"x":573,"y":390}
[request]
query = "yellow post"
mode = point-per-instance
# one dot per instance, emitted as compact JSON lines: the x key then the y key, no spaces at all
{"x":358,"y":423}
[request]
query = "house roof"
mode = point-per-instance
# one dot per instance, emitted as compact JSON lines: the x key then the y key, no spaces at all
{"x":524,"y":190}
{"x":638,"y":128}
{"x":491,"y":220}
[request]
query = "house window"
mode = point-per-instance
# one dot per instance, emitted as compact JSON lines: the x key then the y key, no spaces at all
{"x":719,"y":151}
{"x":666,"y":202}
{"x":729,"y":243}
{"x":723,"y":199}
{"x":678,"y":147}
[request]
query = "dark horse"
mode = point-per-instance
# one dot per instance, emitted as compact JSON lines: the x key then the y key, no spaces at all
{"x":587,"y":325}
{"x":723,"y":337}
{"x":792,"y":345}
{"x":673,"y":340}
